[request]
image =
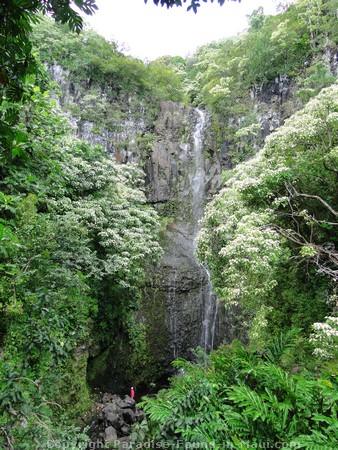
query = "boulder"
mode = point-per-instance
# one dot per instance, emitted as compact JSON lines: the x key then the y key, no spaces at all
{"x":110,"y":408}
{"x":110,"y":434}
{"x":107,"y":398}
{"x":114,"y":419}
{"x":128,"y":416}
{"x":125,"y":430}
{"x":126,"y":403}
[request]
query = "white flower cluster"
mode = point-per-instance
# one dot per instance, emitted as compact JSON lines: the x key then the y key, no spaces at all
{"x":106,"y":200}
{"x":238,"y":237}
{"x":325,"y":337}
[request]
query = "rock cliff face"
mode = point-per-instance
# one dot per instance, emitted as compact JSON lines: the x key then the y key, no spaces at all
{"x":182,"y":170}
{"x":270,"y":104}
{"x":271,"y":99}
{"x":120,"y":128}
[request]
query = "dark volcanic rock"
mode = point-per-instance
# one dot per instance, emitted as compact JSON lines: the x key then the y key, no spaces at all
{"x":110,"y":434}
{"x":128,"y":416}
{"x":125,"y":430}
{"x":127,"y":402}
{"x":115,"y":415}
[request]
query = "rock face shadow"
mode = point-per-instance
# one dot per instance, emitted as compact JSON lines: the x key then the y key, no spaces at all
{"x":182,"y":170}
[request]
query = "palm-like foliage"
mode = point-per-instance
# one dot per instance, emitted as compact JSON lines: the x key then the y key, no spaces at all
{"x":281,"y":345}
{"x":241,"y":398}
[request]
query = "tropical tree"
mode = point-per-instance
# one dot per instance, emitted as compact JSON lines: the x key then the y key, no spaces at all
{"x":277,"y":212}
{"x":75,"y":233}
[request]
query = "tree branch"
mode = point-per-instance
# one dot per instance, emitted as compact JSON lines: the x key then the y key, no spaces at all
{"x":330,"y":169}
{"x":10,"y":446}
{"x":326,"y":255}
{"x":294,"y":193}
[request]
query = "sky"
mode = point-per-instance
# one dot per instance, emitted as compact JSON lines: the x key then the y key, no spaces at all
{"x":147,"y":31}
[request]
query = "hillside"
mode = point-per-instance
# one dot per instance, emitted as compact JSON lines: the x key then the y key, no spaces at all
{"x":153,"y":212}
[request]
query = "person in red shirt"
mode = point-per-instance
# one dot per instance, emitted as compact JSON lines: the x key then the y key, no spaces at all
{"x":132,"y":392}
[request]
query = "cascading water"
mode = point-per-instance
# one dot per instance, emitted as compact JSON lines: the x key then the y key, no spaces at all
{"x":213,"y":327}
{"x":197,"y":183}
{"x":197,"y":177}
{"x":209,"y":313}
{"x":173,"y":315}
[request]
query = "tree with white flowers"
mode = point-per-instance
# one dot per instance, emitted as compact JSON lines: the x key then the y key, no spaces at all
{"x":325,"y":338}
{"x":278,"y":212}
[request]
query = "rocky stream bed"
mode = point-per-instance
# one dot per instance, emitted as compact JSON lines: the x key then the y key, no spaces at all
{"x":112,"y":421}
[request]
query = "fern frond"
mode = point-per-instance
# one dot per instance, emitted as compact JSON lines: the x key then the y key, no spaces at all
{"x":329,"y":420}
{"x":181,"y":363}
{"x":238,"y":423}
{"x":316,"y":440}
{"x":157,"y":411}
{"x":249,"y":400}
{"x":282,"y":344}
{"x":278,"y":380}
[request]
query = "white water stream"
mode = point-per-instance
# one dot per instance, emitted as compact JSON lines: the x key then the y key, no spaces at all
{"x":197,"y":183}
{"x":197,"y":177}
{"x":209,"y":313}
{"x":173,"y":316}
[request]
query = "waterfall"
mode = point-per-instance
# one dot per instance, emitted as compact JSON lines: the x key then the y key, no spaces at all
{"x":213,"y":327}
{"x":197,"y":176}
{"x":209,"y":313}
{"x":180,"y":306}
{"x":173,"y":314}
{"x":197,"y":182}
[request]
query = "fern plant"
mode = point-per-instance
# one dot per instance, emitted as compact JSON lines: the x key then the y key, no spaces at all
{"x":240,"y":398}
{"x":281,"y":345}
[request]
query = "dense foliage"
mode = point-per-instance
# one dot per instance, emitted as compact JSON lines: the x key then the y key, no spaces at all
{"x":238,"y":78}
{"x":240,"y":399}
{"x":75,"y":233}
{"x":16,"y":25}
{"x":275,"y":223}
{"x":99,"y":64}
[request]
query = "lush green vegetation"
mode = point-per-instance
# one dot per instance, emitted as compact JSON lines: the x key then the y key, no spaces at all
{"x":227,"y":77}
{"x":94,"y":62}
{"x":76,"y":232}
{"x":238,"y":398}
{"x":274,"y":224}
